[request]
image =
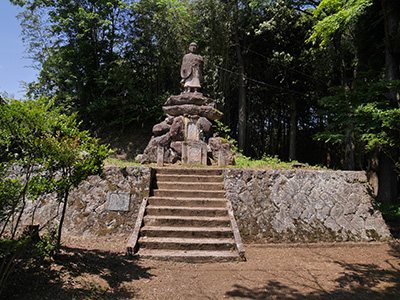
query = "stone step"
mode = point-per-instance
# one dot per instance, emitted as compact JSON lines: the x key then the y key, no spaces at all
{"x":187,"y":217}
{"x":189,"y":178}
{"x":172,"y":243}
{"x":186,"y":211}
{"x":189,"y":193}
{"x":188,"y":202}
{"x":193,"y":256}
{"x":187,"y":232}
{"x":189,"y":186}
{"x":186,"y":221}
{"x":189,"y":171}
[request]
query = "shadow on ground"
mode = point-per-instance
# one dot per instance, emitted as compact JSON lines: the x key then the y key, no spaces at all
{"x":356,"y":281}
{"x":77,"y":274}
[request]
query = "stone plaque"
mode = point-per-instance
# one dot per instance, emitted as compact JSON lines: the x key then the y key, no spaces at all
{"x":118,"y":201}
{"x":191,"y":130}
{"x":195,"y":153}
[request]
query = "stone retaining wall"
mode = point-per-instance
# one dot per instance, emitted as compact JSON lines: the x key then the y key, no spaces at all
{"x":303,"y":206}
{"x":101,"y":205}
{"x":270,"y":206}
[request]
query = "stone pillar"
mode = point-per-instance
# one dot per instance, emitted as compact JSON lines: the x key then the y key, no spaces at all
{"x":160,"y":156}
{"x":221,"y":159}
{"x":184,"y":153}
{"x":204,"y":154}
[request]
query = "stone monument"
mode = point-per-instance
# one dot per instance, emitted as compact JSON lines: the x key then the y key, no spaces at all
{"x":186,"y":133}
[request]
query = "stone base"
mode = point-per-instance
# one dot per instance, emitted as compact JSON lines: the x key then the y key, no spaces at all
{"x":194,"y":153}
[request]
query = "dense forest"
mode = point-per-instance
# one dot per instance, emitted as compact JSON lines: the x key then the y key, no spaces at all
{"x":306,"y":80}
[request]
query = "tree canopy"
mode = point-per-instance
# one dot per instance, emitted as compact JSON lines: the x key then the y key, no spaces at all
{"x":307,"y":80}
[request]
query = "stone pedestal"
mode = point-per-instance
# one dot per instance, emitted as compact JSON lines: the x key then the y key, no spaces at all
{"x":186,"y":132}
{"x":194,"y":153}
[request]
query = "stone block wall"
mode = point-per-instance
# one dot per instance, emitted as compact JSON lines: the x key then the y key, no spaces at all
{"x":101,"y":205}
{"x":303,"y":206}
{"x":270,"y":206}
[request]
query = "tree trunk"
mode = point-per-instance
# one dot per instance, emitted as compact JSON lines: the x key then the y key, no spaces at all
{"x":349,"y":142}
{"x":391,"y":14}
{"x":62,"y":219}
{"x":350,"y":154}
{"x":373,"y":169}
{"x":387,"y":175}
{"x":242,"y":96}
{"x":293,"y":128}
{"x":387,"y":191}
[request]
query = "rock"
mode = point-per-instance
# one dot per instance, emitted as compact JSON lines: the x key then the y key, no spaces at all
{"x":150,"y":153}
{"x":177,"y":146}
{"x":169,"y":119}
{"x":161,"y":128}
{"x":205,"y":127}
{"x":138,"y":158}
{"x":217,"y":145}
{"x":177,"y":129}
{"x":191,"y":109}
{"x":163,"y":140}
{"x":170,"y":156}
{"x":189,"y":98}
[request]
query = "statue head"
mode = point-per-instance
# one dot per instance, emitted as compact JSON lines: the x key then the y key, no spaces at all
{"x":193,"y":47}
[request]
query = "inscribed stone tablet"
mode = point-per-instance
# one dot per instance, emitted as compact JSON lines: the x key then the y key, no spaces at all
{"x":191,"y":133}
{"x":194,"y":154}
{"x":118,"y":201}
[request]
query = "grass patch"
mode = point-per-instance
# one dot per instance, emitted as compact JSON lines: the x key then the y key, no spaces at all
{"x":268,"y":162}
{"x":121,"y":163}
{"x":242,"y":162}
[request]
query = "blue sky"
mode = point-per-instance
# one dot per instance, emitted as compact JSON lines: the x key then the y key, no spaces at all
{"x":13,"y":68}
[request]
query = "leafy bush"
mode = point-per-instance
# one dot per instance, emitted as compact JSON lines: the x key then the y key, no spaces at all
{"x":48,"y":243}
{"x":42,"y":151}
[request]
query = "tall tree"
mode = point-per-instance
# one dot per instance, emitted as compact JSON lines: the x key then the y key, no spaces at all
{"x":337,"y":27}
{"x":388,"y":183}
{"x":351,"y":15}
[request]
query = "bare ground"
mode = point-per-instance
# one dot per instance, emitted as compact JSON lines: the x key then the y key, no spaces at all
{"x":89,"y":268}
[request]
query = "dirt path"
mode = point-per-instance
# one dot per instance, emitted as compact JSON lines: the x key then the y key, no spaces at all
{"x":99,"y":269}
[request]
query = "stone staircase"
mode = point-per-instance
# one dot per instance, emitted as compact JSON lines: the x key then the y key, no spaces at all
{"x":187,"y":218}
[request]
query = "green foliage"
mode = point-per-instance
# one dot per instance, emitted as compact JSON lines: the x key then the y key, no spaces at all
{"x":337,"y":16}
{"x":114,"y":63}
{"x":109,"y":61}
{"x":266,"y":162}
{"x":121,"y":163}
{"x":42,"y":150}
{"x":224,"y":133}
{"x":376,"y":122}
{"x":390,"y":212}
{"x":382,"y":126}
{"x":47,"y":245}
{"x":221,"y":129}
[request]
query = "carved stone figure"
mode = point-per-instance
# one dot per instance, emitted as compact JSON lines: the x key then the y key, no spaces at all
{"x":191,"y":70}
{"x":185,"y":135}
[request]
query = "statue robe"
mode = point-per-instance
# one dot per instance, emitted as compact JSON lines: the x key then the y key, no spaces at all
{"x":191,"y":70}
